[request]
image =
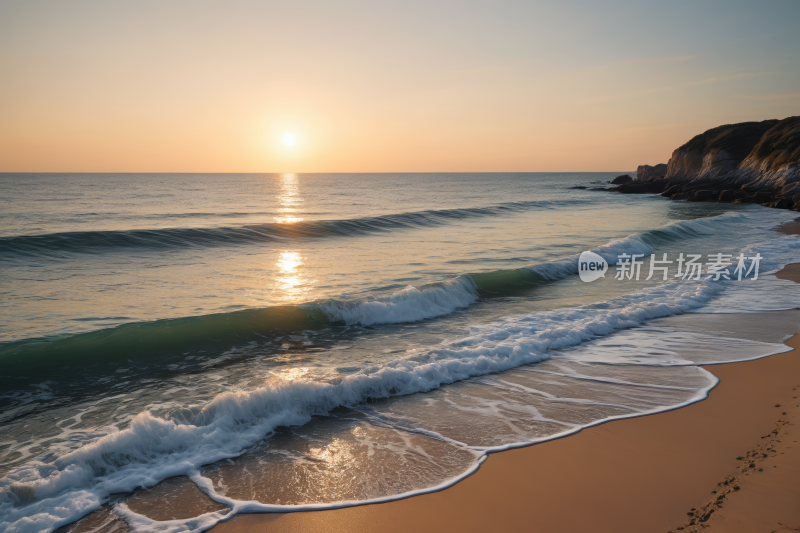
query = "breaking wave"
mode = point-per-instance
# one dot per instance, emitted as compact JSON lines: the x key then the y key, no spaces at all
{"x":60,"y":492}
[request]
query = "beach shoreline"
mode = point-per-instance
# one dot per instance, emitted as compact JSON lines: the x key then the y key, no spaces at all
{"x":682,"y":470}
{"x":729,"y":462}
{"x":639,"y":474}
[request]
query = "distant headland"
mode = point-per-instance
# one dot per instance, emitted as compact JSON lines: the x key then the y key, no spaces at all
{"x":750,"y":162}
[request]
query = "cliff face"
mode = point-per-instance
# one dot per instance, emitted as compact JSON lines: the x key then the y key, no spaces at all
{"x":717,"y":152}
{"x":752,"y":161}
{"x":774,"y":163}
{"x":646,"y":172}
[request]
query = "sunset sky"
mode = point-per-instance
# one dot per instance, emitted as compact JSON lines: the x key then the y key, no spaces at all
{"x":212,"y":86}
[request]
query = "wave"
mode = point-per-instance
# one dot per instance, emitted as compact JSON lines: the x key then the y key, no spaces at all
{"x":161,"y":341}
{"x":166,"y":238}
{"x":40,"y":496}
{"x":149,"y":341}
{"x":507,"y":282}
{"x":411,"y":304}
{"x":121,"y":461}
{"x":158,"y":340}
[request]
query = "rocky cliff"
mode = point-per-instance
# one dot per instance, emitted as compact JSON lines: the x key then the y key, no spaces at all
{"x":753,"y":162}
{"x":646,"y":172}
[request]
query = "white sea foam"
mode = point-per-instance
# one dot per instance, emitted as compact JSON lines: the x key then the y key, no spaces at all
{"x":667,"y":346}
{"x":407,"y":305}
{"x":41,"y":496}
{"x":153,"y":448}
{"x":767,"y":293}
{"x":413,"y":304}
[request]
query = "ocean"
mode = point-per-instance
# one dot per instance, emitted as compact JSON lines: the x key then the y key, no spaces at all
{"x":231,"y":343}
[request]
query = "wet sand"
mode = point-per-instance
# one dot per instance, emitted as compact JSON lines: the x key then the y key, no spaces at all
{"x":730,"y":463}
{"x":792,"y":228}
{"x":790,"y":272}
{"x":636,"y":475}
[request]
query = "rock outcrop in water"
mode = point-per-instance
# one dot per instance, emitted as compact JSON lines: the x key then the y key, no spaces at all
{"x":750,"y":162}
{"x":622,"y":180}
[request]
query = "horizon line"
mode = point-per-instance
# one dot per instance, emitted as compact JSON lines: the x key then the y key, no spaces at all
{"x":316,"y":172}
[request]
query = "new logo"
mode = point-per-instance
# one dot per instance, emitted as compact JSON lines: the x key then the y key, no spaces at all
{"x":591,"y":266}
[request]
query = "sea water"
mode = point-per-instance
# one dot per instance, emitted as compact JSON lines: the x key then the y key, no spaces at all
{"x":273,"y":342}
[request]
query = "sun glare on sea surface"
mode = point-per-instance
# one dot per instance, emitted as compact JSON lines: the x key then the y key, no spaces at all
{"x":288,"y":139}
{"x":293,"y":280}
{"x":290,"y":200}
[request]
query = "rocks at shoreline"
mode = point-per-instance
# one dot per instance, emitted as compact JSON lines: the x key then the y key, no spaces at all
{"x":750,"y":162}
{"x":646,"y":172}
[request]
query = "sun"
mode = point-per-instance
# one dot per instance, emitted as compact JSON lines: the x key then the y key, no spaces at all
{"x":288,"y":139}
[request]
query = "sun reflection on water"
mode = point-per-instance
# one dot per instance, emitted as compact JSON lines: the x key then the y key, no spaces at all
{"x":289,"y":199}
{"x":289,"y":261}
{"x":291,"y":374}
{"x":292,"y":281}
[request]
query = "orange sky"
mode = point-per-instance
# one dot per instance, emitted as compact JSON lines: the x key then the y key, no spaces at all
{"x":202,"y":86}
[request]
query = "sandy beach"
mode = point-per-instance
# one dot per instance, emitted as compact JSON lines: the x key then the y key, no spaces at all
{"x":399,"y":267}
{"x":643,"y":474}
{"x":729,"y":463}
